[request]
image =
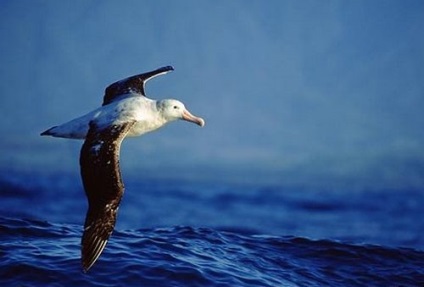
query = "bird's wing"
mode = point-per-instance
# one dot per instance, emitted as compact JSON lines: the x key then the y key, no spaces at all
{"x":101,"y":176}
{"x":134,"y":85}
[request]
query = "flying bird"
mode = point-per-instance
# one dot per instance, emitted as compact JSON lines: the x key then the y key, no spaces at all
{"x":125,"y":112}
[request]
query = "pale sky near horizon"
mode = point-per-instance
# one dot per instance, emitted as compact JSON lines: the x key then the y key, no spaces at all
{"x":303,"y":90}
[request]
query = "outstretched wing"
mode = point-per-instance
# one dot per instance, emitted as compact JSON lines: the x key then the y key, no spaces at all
{"x":101,"y":177}
{"x":134,"y":84}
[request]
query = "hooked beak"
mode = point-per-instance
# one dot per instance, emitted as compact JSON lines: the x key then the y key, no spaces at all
{"x":187,"y":116}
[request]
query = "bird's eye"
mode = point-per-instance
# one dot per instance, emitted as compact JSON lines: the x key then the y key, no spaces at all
{"x":175,"y":107}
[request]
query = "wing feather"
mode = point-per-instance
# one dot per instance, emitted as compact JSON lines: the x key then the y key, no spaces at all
{"x":101,"y":176}
{"x":134,"y":84}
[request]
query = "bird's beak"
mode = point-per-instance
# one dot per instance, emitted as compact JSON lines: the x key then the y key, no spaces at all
{"x":187,"y":116}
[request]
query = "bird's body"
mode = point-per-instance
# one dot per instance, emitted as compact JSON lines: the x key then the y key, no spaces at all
{"x":144,"y":111}
{"x":126,"y":111}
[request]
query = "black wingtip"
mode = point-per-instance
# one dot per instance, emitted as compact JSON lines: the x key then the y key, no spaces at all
{"x":47,"y":132}
{"x":86,"y":267}
{"x":165,"y":69}
{"x":92,"y":248}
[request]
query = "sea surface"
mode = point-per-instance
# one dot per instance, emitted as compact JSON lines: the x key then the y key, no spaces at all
{"x":203,"y":233}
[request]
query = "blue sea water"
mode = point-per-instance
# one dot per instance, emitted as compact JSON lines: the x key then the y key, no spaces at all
{"x":200,"y":233}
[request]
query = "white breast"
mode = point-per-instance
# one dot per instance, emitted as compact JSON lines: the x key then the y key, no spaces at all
{"x":143,"y":111}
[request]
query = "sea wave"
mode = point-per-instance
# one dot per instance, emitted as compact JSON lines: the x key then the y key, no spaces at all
{"x":37,"y":253}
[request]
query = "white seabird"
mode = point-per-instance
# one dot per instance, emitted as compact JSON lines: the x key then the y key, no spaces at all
{"x":126,"y":111}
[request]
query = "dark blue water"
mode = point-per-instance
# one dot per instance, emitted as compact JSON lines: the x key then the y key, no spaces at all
{"x":184,"y":233}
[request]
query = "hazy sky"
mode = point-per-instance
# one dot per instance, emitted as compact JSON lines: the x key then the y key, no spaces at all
{"x":291,"y":91}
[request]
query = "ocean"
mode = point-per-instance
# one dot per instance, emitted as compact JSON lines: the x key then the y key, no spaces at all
{"x":208,"y":233}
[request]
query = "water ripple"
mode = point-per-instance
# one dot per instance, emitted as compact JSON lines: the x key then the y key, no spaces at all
{"x":36,"y":253}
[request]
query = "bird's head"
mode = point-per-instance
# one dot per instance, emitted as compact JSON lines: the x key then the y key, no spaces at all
{"x":175,"y":110}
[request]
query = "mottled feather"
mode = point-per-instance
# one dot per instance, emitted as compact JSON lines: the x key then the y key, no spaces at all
{"x":101,"y":176}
